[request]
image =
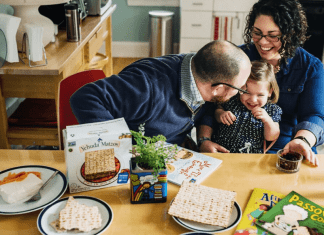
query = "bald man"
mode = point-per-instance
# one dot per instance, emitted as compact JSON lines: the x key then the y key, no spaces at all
{"x":165,"y":95}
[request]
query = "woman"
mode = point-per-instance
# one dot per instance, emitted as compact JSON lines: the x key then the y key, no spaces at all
{"x":275,"y":31}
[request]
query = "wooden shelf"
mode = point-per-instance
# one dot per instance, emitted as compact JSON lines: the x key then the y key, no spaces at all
{"x":32,"y":136}
{"x":64,"y":59}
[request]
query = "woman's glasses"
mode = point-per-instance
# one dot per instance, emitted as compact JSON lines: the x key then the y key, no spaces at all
{"x":241,"y":91}
{"x":270,"y":38}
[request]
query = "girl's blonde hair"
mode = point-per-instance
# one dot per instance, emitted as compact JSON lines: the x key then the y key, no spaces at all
{"x":263,"y":71}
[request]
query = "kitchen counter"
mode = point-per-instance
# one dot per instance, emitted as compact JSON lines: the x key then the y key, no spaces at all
{"x":64,"y":59}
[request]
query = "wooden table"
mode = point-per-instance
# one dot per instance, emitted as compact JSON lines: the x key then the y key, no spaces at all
{"x":64,"y":59}
{"x":238,"y":172}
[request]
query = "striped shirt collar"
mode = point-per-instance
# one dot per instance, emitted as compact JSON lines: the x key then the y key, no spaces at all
{"x":189,"y":90}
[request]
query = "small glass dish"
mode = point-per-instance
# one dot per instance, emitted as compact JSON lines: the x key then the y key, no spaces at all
{"x":290,"y":162}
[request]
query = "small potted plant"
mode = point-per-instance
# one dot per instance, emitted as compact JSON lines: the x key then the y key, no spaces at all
{"x":148,"y":168}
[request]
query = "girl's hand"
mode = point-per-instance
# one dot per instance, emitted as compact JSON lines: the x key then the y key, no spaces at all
{"x":260,"y":113}
{"x":227,"y":118}
{"x":301,"y":147}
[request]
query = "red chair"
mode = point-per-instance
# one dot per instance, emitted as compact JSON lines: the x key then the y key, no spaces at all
{"x":66,"y":88}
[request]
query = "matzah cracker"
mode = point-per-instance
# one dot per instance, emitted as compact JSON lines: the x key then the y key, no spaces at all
{"x":79,"y":217}
{"x":99,"y":163}
{"x":203,"y":204}
{"x":56,"y":225}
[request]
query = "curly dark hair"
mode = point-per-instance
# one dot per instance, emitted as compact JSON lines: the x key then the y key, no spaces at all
{"x":290,"y":18}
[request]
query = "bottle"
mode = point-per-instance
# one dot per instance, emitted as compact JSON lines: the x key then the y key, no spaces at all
{"x":72,"y":15}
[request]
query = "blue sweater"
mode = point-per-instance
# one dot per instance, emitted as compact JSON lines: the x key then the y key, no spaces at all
{"x":145,"y":92}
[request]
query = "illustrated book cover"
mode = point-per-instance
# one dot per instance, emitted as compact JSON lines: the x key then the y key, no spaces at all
{"x":191,"y":166}
{"x":261,"y":201}
{"x":293,"y":215}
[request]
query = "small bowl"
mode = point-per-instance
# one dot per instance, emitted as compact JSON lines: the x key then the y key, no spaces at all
{"x":290,"y":162}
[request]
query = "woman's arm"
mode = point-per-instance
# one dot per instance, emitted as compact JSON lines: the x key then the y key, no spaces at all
{"x":310,"y":106}
{"x":302,"y":147}
{"x":310,"y":114}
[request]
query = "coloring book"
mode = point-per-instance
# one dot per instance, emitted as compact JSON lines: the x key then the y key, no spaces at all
{"x":293,"y":215}
{"x":191,"y":166}
{"x":261,"y":201}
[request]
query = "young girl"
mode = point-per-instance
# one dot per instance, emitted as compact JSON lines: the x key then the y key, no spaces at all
{"x":248,"y":119}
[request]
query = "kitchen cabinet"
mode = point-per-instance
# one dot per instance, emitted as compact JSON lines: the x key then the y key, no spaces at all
{"x":205,"y":20}
{"x":233,"y":5}
{"x":64,"y":59}
{"x":195,"y":24}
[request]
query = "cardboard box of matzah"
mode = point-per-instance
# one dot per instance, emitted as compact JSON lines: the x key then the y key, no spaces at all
{"x":97,"y":155}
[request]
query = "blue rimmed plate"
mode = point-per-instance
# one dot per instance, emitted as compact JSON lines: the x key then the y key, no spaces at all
{"x":51,"y":193}
{"x":205,"y":228}
{"x":51,"y":213}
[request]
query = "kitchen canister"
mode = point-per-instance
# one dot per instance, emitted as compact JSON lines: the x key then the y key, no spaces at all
{"x":73,"y":28}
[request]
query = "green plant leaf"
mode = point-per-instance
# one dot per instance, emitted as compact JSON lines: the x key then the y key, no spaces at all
{"x":152,"y":152}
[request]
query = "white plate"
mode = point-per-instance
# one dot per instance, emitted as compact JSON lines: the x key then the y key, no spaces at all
{"x":51,"y":213}
{"x":196,"y":233}
{"x":51,"y":193}
{"x":199,"y":227}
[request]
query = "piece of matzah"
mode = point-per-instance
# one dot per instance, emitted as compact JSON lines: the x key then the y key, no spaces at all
{"x":76,"y":216}
{"x":56,"y":225}
{"x":99,"y":163}
{"x":203,"y":204}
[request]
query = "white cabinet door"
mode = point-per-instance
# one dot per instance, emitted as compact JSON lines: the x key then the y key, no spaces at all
{"x":197,"y":5}
{"x":188,"y":45}
{"x":233,"y":29}
{"x":233,"y":5}
{"x":196,"y":24}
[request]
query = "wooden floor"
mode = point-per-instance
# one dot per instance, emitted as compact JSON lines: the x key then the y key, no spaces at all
{"x":121,"y":62}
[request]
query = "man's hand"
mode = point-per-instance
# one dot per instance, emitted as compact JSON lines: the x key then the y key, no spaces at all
{"x":227,"y":118}
{"x":301,"y":147}
{"x":210,"y":147}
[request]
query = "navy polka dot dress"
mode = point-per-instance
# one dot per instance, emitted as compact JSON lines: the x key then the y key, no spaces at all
{"x":246,"y":130}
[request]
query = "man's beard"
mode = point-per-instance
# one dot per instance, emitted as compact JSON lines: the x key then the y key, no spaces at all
{"x":219,"y":100}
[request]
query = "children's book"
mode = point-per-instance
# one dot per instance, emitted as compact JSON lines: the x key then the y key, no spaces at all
{"x":191,"y":166}
{"x":293,"y":215}
{"x":261,"y":201}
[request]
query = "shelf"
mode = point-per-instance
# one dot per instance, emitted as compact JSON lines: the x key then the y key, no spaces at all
{"x":32,"y":136}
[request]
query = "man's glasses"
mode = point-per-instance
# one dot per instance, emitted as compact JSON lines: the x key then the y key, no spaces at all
{"x":241,"y":91}
{"x":270,"y":38}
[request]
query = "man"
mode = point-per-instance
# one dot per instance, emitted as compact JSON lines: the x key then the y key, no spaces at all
{"x":165,"y":95}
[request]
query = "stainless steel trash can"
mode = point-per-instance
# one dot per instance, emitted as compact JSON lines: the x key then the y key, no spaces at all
{"x":161,"y":33}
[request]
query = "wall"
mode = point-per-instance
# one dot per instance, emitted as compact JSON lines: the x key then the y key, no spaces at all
{"x":131,"y":28}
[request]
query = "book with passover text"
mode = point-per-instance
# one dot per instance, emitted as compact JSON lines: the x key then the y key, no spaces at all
{"x":261,"y":201}
{"x":191,"y":166}
{"x":293,"y":215}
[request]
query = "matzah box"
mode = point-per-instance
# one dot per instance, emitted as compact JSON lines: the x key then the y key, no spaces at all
{"x":97,"y":155}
